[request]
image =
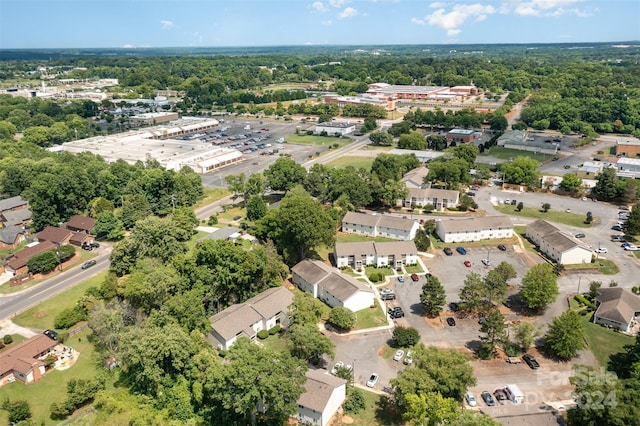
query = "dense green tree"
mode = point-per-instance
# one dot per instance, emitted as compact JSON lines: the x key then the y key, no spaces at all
{"x":284,"y":174}
{"x":433,"y":296}
{"x":606,"y":188}
{"x":473,"y":291}
{"x":305,"y":309}
{"x":494,"y":329}
{"x":496,"y":287}
{"x":565,"y":336}
{"x":571,"y":183}
{"x":256,"y":208}
{"x":468,"y":152}
{"x":255,"y":383}
{"x":422,"y":240}
{"x":309,"y":344}
{"x":524,"y":333}
{"x":633,"y":223}
{"x":43,"y":262}
{"x":18,"y":411}
{"x":392,"y":167}
{"x":498,"y":122}
{"x":522,"y":171}
{"x":450,"y":172}
{"x":381,"y":138}
{"x":413,"y":140}
{"x":539,"y":287}
{"x":430,"y":409}
{"x":404,"y":337}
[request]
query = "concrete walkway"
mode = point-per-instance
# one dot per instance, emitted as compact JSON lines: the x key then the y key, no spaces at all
{"x":8,"y":327}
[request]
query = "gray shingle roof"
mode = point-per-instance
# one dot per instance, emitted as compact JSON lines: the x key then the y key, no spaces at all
{"x":332,"y":280}
{"x":318,"y":389}
{"x":312,"y":271}
{"x":358,"y":249}
{"x":386,"y":221}
{"x":542,"y":227}
{"x":554,"y":236}
{"x":8,"y":234}
{"x":476,"y":224}
{"x":617,"y":304}
{"x":222,"y":233}
{"x":16,"y":217}
{"x":433,"y":193}
{"x":12,"y":203}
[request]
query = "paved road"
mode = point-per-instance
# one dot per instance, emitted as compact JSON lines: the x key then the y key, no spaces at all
{"x":13,"y":304}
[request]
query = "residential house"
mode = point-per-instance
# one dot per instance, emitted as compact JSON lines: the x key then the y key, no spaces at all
{"x":589,"y":170}
{"x":25,"y":361}
{"x":376,"y":225}
{"x":372,"y":253}
{"x":19,"y":217}
{"x":227,"y":233}
{"x":323,"y":396}
{"x":11,"y":236}
{"x":617,"y":308}
{"x":80,"y":223}
{"x":474,"y":229}
{"x":560,"y":247}
{"x":17,"y":262}
{"x":58,"y":236}
{"x":12,"y":204}
{"x":331,"y":286}
{"x":261,"y":312}
{"x":415,"y":178}
{"x":439,"y":198}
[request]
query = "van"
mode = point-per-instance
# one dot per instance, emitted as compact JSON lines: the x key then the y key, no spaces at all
{"x":514,"y":394}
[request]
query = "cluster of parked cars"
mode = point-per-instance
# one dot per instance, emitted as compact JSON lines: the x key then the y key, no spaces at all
{"x":90,"y":246}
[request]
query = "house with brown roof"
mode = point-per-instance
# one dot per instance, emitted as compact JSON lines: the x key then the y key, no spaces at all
{"x":474,"y":229}
{"x":261,"y":312}
{"x":17,"y":262}
{"x":24,"y":362}
{"x":375,"y":225}
{"x":331,"y":286}
{"x":557,"y":245}
{"x":373,"y":253}
{"x":80,"y":223}
{"x":323,"y":396}
{"x":56,"y":235}
{"x":617,"y":308}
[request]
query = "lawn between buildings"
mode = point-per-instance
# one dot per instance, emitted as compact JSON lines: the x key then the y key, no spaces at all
{"x":318,"y":140}
{"x":571,"y":219}
{"x":509,"y":154}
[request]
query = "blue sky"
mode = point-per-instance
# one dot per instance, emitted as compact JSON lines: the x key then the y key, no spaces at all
{"x":211,"y":23}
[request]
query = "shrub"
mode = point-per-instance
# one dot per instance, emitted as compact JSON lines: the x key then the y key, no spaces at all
{"x":635,"y":289}
{"x":213,"y":220}
{"x":376,"y":276}
{"x":263,"y":334}
{"x":275,"y":329}
{"x":512,"y":349}
{"x":583,"y":301}
{"x":355,"y":402}
{"x":405,"y":337}
{"x":7,"y":339}
{"x":342,"y":318}
{"x":485,"y":351}
{"x":70,"y":317}
{"x":18,"y":411}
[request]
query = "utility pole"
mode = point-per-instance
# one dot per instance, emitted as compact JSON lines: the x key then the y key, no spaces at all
{"x":579,"y":281}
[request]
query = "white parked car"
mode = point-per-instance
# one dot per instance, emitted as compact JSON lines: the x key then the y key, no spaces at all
{"x":486,"y":262}
{"x":373,"y":379}
{"x":336,"y":367}
{"x":399,"y":354}
{"x":602,"y":250}
{"x":471,"y":400}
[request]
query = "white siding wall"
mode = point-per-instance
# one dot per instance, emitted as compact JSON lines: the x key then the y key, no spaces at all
{"x":613,"y":324}
{"x":305,"y":285}
{"x":358,"y":229}
{"x":463,"y":236}
{"x":359,"y":301}
{"x":335,"y":401}
{"x":575,"y":255}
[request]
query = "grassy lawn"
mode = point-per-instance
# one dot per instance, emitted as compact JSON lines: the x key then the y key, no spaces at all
{"x":318,"y":140}
{"x":571,"y":219}
{"x":414,"y":269}
{"x":522,"y":232}
{"x":210,"y":196}
{"x":17,"y":338}
{"x":53,"y":386}
{"x":41,"y":317}
{"x":7,"y":252}
{"x":370,"y":317}
{"x":194,"y":240}
{"x":228,"y":215}
{"x":374,"y":413}
{"x":386,"y":271}
{"x":357,"y":162}
{"x":509,"y":154}
{"x":343,"y":237}
{"x":275,"y":342}
{"x":603,"y":266}
{"x":604,"y":342}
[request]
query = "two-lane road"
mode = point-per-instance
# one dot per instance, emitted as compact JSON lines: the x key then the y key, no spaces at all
{"x":13,"y":304}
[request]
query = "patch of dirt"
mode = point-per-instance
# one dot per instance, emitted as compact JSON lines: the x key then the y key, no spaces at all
{"x":434,"y":322}
{"x":346,"y":420}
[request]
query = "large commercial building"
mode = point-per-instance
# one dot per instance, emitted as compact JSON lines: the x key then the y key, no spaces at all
{"x":629,"y":147}
{"x":380,"y":101}
{"x":398,"y":91}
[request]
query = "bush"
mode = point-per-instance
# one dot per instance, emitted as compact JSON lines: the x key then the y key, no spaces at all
{"x":376,"y":276}
{"x":404,"y":337}
{"x":485,"y":351}
{"x":512,"y":349}
{"x":7,"y":339}
{"x":70,"y":317}
{"x":213,"y":220}
{"x":355,"y":402}
{"x":342,"y":318}
{"x":275,"y":329}
{"x":583,"y":301}
{"x":263,"y":334}
{"x":635,"y":289}
{"x":18,"y":410}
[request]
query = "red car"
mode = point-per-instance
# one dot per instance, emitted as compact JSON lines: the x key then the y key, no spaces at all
{"x":415,"y":277}
{"x":468,"y":263}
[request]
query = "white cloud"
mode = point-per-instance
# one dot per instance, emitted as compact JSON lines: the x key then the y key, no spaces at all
{"x":437,"y":5}
{"x":327,"y":23}
{"x":459,"y":14}
{"x":318,"y":6}
{"x":349,"y":12}
{"x":337,"y":3}
{"x":545,"y":8}
{"x":167,"y":25}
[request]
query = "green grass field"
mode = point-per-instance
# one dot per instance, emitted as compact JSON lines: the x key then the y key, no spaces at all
{"x":317,"y":140}
{"x":604,"y":342}
{"x":509,"y":154}
{"x":571,"y":219}
{"x":357,"y":162}
{"x":210,"y":196}
{"x":370,"y":317}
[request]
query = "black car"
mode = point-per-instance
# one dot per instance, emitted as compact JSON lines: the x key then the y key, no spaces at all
{"x":95,"y":245}
{"x":500,"y":395}
{"x":488,"y":399}
{"x":502,"y":247}
{"x":617,"y":228}
{"x":454,"y":307}
{"x":396,"y":312}
{"x":531,"y":361}
{"x":580,"y":235}
{"x":51,"y":334}
{"x":448,"y":251}
{"x":451,"y":321}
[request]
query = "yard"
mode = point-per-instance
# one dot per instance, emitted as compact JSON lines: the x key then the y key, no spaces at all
{"x":509,"y":154}
{"x":357,"y":162}
{"x":375,"y":413}
{"x":571,"y":219}
{"x":604,"y":342}
{"x":318,"y":140}
{"x":211,"y":195}
{"x":370,"y":317}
